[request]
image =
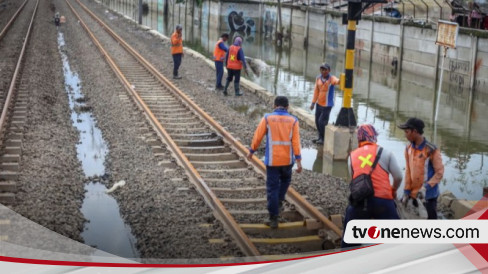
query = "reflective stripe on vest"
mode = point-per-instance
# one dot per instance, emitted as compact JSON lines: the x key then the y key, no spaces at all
{"x":324,"y":88}
{"x":270,"y":143}
{"x":219,"y":54}
{"x":232,"y":61}
{"x":362,"y":160}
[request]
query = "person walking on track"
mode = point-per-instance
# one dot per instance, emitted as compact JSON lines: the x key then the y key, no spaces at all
{"x":282,"y":150}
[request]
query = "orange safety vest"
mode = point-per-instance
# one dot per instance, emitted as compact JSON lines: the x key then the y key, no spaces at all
{"x":282,"y":138}
{"x":219,"y":54}
{"x":362,"y":159}
{"x":232,"y":62}
{"x":324,"y":91}
{"x":176,"y":43}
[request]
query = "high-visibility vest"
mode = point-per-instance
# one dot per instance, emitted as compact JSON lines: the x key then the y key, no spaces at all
{"x":232,"y":62}
{"x":324,"y":91}
{"x":362,"y":159}
{"x":219,"y":54}
{"x":282,"y":138}
{"x":176,"y":43}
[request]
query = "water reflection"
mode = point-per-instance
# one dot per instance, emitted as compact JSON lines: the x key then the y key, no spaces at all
{"x":383,"y":95}
{"x":105,"y":229}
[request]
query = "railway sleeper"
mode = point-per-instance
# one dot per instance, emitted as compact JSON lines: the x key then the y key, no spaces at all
{"x":14,"y":135}
{"x":8,"y":158}
{"x":200,"y":143}
{"x":180,"y":130}
{"x":13,"y":143}
{"x":212,"y":157}
{"x":305,"y":243}
{"x":158,"y":149}
{"x":17,"y":123}
{"x":204,"y":135}
{"x":225,"y":172}
{"x":285,"y":230}
{"x":147,"y":83}
{"x":225,"y":184}
{"x":162,"y":106}
{"x":238,"y":191}
{"x":19,"y":112}
{"x":153,"y":142}
{"x":158,"y":98}
{"x":11,"y":166}
{"x":177,"y":119}
{"x":18,"y":118}
{"x":7,"y":198}
{"x":12,"y":150}
{"x":169,"y":106}
{"x":7,"y":175}
{"x":163,"y":111}
{"x":8,"y":186}
{"x":184,"y":125}
{"x":205,"y":150}
{"x":235,"y":164}
{"x":246,"y":201}
{"x":177,"y":114}
{"x":167,"y":163}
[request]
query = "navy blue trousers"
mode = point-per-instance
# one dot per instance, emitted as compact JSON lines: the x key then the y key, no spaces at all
{"x":321,"y":119}
{"x":278,"y":180}
{"x":219,"y":70}
{"x":176,"y":63}
{"x":431,"y":207}
{"x":377,"y":208}
{"x":231,"y":73}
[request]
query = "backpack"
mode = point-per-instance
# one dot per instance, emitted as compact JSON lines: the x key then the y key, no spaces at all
{"x":361,"y":187}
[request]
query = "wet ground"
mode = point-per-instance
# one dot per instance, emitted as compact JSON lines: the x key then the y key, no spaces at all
{"x":383,"y":96}
{"x":164,"y":214}
{"x":104,"y":227}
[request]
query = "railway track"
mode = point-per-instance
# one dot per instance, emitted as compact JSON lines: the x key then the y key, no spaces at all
{"x":212,"y":158}
{"x":14,"y":96}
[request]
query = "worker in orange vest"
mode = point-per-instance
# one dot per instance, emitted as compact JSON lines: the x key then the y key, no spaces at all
{"x":424,"y":167}
{"x":323,"y":97}
{"x":370,"y":158}
{"x":219,"y":57}
{"x":177,"y":50}
{"x":282,"y":149}
{"x":235,"y":60}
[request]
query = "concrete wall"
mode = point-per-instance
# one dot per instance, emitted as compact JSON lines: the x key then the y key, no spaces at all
{"x":322,"y":34}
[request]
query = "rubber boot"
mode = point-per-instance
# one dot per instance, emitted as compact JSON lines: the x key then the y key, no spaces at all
{"x":227,"y":83}
{"x":236,"y":88}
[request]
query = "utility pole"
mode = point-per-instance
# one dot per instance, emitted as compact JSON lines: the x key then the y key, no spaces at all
{"x":346,"y":116}
{"x":140,"y":12}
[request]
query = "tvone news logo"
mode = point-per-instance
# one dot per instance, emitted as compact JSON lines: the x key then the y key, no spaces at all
{"x":416,"y":231}
{"x":373,"y":232}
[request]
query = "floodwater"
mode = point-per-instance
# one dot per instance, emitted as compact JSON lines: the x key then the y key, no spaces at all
{"x":382,"y":96}
{"x":105,"y":228}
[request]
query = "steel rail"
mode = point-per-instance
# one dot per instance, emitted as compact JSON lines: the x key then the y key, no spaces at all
{"x":11,"y":21}
{"x":6,"y":106}
{"x":302,"y":205}
{"x":222,"y":213}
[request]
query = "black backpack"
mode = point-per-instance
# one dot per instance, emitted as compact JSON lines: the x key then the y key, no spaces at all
{"x":361,"y":187}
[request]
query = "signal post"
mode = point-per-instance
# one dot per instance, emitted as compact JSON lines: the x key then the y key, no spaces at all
{"x":341,"y":138}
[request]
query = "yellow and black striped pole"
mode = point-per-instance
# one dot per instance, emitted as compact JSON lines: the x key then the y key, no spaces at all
{"x":346,"y":116}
